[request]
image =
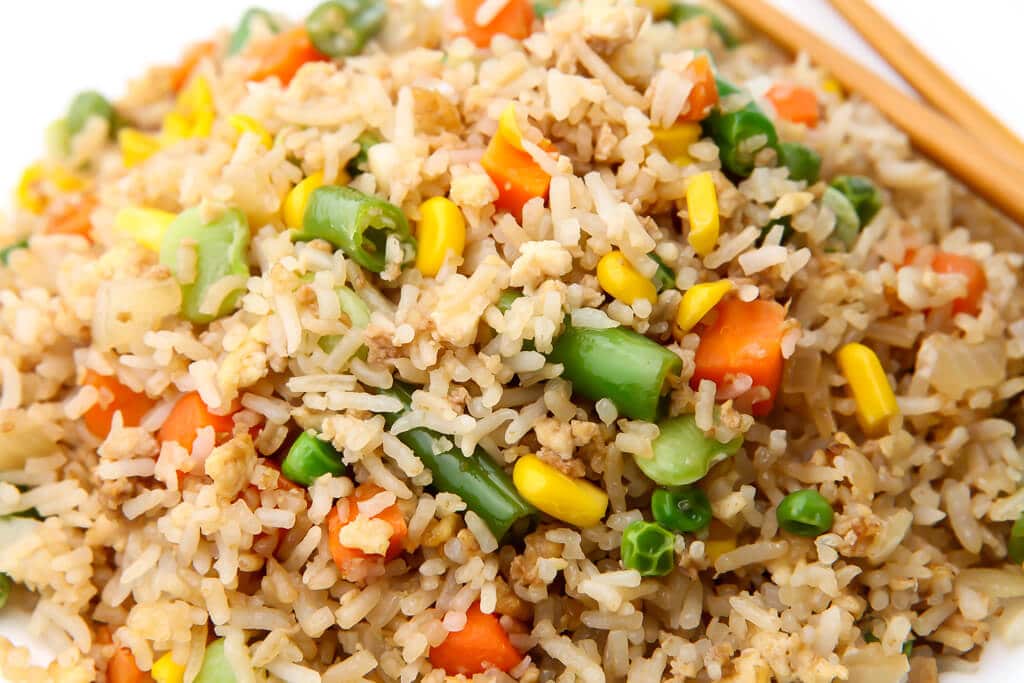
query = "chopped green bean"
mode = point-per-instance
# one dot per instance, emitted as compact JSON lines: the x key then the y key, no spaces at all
{"x":5,"y":589}
{"x":847,"y":223}
{"x":5,"y":253}
{"x":483,"y":486}
{"x":542,"y":8}
{"x":341,"y":28}
{"x":741,"y":134}
{"x":240,"y":38}
{"x":682,"y":453}
{"x":681,"y":12}
{"x":908,"y":647}
{"x":216,"y":666}
{"x":358,"y":163}
{"x":87,"y":105}
{"x":802,"y":161}
{"x":220,"y":250}
{"x":681,"y":510}
{"x":663,"y":278}
{"x":648,"y":548}
{"x":310,"y":458}
{"x":865,"y":198}
{"x":787,"y":231}
{"x":358,"y":224}
{"x":619,"y":364}
{"x":1015,"y":546}
{"x":805,"y":513}
{"x":506,"y":299}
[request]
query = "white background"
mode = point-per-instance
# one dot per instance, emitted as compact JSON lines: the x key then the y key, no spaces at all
{"x":51,"y":49}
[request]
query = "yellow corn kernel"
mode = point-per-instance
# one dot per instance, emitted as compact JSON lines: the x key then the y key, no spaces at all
{"x":294,"y":208}
{"x":29,"y":194}
{"x":63,"y":179}
{"x":763,"y":674}
{"x":136,"y":146}
{"x":831,"y":85}
{"x":166,"y":670}
{"x":575,"y":501}
{"x":193,"y":113}
{"x":145,"y":226}
{"x":675,"y":142}
{"x":715,"y":548}
{"x":442,"y":229}
{"x":619,"y":278}
{"x":175,"y":128}
{"x":247,"y":124}
{"x":659,"y":8}
{"x":702,"y":207}
{"x":508,"y":127}
{"x":697,"y":302}
{"x":876,"y":403}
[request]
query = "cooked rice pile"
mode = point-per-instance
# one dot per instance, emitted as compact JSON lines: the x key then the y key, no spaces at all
{"x":169,"y":561}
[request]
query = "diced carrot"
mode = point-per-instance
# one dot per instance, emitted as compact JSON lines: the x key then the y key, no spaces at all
{"x":947,"y":263}
{"x":517,"y":176}
{"x":354,"y":562}
{"x":794,"y":103}
{"x":122,"y":668}
{"x":744,"y":338}
{"x":188,"y":416}
{"x":704,"y":94}
{"x":75,"y":218}
{"x":515,"y":20}
{"x":189,"y":61}
{"x":282,"y":55}
{"x":482,"y":644}
{"x":113,"y":397}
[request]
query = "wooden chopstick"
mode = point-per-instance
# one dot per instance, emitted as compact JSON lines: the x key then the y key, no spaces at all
{"x":985,"y":172}
{"x":929,"y":79}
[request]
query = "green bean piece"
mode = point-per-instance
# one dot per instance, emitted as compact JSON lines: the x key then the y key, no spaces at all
{"x":359,"y":163}
{"x":1015,"y":546}
{"x":805,"y":513}
{"x":741,"y":134}
{"x":847,"y":223}
{"x":358,"y":224}
{"x":663,"y":278}
{"x":57,"y":139}
{"x":240,"y":38}
{"x":682,"y":453}
{"x":5,"y":589}
{"x":787,"y":231}
{"x":506,"y":299}
{"x":619,"y":364}
{"x":870,"y":637}
{"x":358,"y":313}
{"x":681,"y":12}
{"x":482,"y":484}
{"x":5,"y":253}
{"x":221,"y":250}
{"x":310,"y":458}
{"x":85,"y":106}
{"x":862,"y":193}
{"x":802,"y":161}
{"x":681,"y":510}
{"x":216,"y":666}
{"x":648,"y":548}
{"x":542,"y":8}
{"x":341,"y":28}
{"x":908,"y":648}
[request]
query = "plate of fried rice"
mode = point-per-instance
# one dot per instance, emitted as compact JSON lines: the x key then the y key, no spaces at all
{"x":503,"y":341}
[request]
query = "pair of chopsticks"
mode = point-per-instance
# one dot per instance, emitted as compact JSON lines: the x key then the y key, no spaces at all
{"x":965,"y":138}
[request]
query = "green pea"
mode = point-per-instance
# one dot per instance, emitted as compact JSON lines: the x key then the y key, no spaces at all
{"x":240,"y":38}
{"x":681,"y":12}
{"x":310,"y":458}
{"x":847,"y":223}
{"x":862,"y":194}
{"x":1015,"y":546}
{"x":682,"y":453}
{"x":85,"y":106}
{"x":358,"y":163}
{"x":787,"y":231}
{"x":216,"y":666}
{"x":802,"y":161}
{"x":5,"y":589}
{"x":5,"y":253}
{"x":648,"y":548}
{"x":681,"y":510}
{"x":221,"y":250}
{"x":340,"y":28}
{"x":804,"y":513}
{"x":663,"y":278}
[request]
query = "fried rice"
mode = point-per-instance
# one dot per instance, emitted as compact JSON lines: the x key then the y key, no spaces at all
{"x":140,"y":546}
